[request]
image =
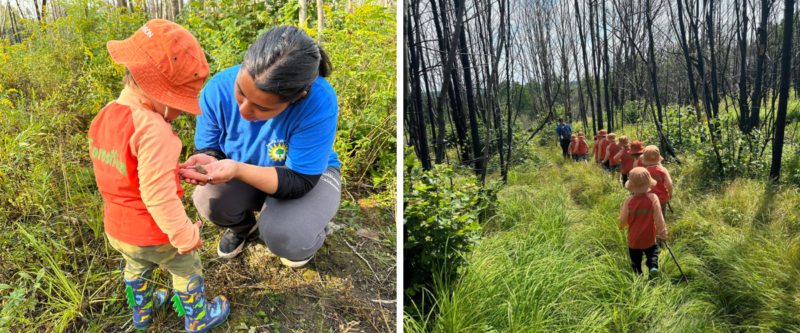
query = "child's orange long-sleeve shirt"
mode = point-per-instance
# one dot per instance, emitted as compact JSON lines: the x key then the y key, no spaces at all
{"x":135,"y":157}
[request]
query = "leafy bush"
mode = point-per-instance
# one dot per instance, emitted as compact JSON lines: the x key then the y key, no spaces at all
{"x":442,"y":218}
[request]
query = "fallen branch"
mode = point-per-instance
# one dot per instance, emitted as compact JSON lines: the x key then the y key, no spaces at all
{"x":365,"y":260}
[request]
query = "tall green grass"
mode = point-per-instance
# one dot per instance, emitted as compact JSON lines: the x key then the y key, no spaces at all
{"x":555,"y":260}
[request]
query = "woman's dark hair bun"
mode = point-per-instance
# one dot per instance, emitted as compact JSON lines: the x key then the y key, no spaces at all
{"x":286,"y":61}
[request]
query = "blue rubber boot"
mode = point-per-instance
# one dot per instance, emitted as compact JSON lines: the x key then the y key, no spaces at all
{"x":201,"y":316}
{"x":653,"y":273}
{"x":142,"y":298}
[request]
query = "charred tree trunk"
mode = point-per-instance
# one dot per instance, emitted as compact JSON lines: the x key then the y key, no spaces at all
{"x":609,"y":111}
{"x":755,"y":103}
{"x":780,"y":122}
{"x":743,"y":123}
{"x":451,"y":57}
{"x":596,"y":39}
{"x":477,"y":150}
{"x":586,"y":65}
{"x":420,"y":135}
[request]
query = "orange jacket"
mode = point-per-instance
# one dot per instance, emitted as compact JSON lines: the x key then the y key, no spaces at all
{"x":135,"y":157}
{"x":642,"y":216}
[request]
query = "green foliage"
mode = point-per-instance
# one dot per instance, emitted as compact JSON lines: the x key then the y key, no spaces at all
{"x":561,"y":263}
{"x":53,"y":84}
{"x":442,"y":217}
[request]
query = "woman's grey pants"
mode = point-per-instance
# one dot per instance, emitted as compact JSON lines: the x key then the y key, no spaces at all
{"x":293,"y":229}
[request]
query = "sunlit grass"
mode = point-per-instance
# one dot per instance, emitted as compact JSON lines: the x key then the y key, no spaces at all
{"x":555,"y":261}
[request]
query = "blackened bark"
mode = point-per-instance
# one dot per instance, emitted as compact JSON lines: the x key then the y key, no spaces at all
{"x":780,"y":122}
{"x":420,"y":136}
{"x":609,"y":111}
{"x":743,"y":114}
{"x":761,"y":33}
{"x":586,"y":65}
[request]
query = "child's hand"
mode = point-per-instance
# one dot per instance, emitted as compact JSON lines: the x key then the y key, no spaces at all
{"x":199,"y":224}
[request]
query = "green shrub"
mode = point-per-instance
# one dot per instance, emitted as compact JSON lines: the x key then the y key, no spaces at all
{"x":442,"y":218}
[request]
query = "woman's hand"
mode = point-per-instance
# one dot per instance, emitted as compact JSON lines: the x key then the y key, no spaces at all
{"x":217,"y":172}
{"x":201,"y":159}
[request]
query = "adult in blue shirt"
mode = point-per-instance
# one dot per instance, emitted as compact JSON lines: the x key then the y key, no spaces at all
{"x":265,"y":139}
{"x":563,"y":134}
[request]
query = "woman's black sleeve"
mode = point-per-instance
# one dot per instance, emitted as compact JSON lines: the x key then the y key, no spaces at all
{"x":219,"y":155}
{"x":292,"y":184}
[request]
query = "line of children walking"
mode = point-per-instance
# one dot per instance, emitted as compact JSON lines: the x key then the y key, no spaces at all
{"x":650,"y":185}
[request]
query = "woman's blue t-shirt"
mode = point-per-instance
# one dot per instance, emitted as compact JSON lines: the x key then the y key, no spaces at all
{"x":301,"y":137}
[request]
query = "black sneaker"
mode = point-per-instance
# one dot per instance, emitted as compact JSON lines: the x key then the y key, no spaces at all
{"x":232,"y":243}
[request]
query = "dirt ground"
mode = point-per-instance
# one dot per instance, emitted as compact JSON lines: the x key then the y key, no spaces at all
{"x":349,"y":286}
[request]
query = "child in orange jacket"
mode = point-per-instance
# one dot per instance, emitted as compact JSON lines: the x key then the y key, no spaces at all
{"x":627,"y":157}
{"x":578,"y":148}
{"x":597,"y":150}
{"x":611,"y":140}
{"x":651,"y":157}
{"x":135,"y":159}
{"x":641,"y":213}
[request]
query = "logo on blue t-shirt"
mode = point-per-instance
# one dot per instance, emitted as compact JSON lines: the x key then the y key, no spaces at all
{"x":277,"y":150}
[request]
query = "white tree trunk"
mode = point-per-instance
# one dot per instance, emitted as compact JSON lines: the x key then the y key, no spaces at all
{"x":303,"y":12}
{"x":320,"y":21}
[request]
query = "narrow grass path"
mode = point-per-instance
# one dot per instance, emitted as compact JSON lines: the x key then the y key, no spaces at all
{"x":553,"y":259}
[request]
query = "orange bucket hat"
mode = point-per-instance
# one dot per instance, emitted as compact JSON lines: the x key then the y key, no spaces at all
{"x":612,"y":137}
{"x":166,"y":61}
{"x":651,"y":155}
{"x":573,"y":137}
{"x":581,"y":135}
{"x":602,"y":133}
{"x":640,"y":181}
{"x":636,"y":147}
{"x":623,"y":140}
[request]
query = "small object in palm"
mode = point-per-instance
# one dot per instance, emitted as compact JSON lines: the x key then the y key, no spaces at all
{"x":199,"y":168}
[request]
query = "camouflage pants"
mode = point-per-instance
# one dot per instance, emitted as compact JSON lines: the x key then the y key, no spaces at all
{"x":142,"y":258}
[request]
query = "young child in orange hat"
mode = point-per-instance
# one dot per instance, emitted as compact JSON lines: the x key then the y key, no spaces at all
{"x":651,"y":157}
{"x":610,"y":139}
{"x":573,"y":140}
{"x":578,"y":148}
{"x":613,"y":149}
{"x":598,"y":151}
{"x":641,"y":213}
{"x":627,"y":157}
{"x":135,"y":159}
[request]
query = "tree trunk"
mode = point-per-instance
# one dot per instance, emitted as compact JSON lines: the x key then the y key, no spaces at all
{"x":303,"y":12}
{"x":780,"y":122}
{"x":743,"y":71}
{"x":176,"y":8}
{"x":609,"y":111}
{"x":755,"y":103}
{"x":451,"y":57}
{"x":654,"y":78}
{"x":595,"y":40}
{"x":477,"y":150}
{"x":36,"y":7}
{"x":420,"y":135}
{"x":687,"y":58}
{"x":320,"y":21}
{"x":586,"y":66}
{"x":713,"y":56}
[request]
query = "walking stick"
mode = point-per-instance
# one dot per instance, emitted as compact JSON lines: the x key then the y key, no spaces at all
{"x":676,"y":262}
{"x":670,"y":208}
